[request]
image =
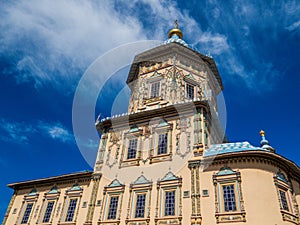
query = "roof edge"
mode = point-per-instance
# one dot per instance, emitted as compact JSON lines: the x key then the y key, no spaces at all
{"x":81,"y":174}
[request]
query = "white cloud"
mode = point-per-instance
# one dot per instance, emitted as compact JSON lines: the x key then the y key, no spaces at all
{"x":22,"y":133}
{"x":57,"y":42}
{"x":294,"y":26}
{"x":15,"y":131}
{"x":56,"y":131}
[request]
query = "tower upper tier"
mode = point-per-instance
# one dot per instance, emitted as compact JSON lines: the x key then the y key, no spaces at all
{"x":172,"y":72}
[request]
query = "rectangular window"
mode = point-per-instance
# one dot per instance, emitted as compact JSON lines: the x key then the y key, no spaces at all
{"x":71,"y":210}
{"x":162,"y":143}
{"x":283,"y":199}
{"x":155,"y":89}
{"x":189,"y":91}
{"x":229,"y":198}
{"x":113,"y":206}
{"x":131,"y":154}
{"x":170,"y":203}
{"x":27,"y":213}
{"x":48,"y":212}
{"x":140,"y":206}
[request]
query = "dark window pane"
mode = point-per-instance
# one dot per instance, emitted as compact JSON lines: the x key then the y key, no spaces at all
{"x":155,"y":89}
{"x":27,"y":213}
{"x":170,"y":203}
{"x":140,"y":206}
{"x":71,"y":210}
{"x":229,"y":198}
{"x":284,"y":202}
{"x":189,"y":91}
{"x":113,"y":206}
{"x":162,"y":144}
{"x":131,"y":154}
{"x":48,"y":212}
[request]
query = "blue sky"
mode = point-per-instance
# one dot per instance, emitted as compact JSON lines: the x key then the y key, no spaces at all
{"x":46,"y":46}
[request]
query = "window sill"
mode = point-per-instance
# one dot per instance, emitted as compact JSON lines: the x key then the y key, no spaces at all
{"x":287,"y":216}
{"x":130,"y":162}
{"x":229,"y":217}
{"x":161,"y":158}
{"x":111,"y":222}
{"x":174,"y":220}
{"x":153,"y":100}
{"x":66,"y":223}
{"x":134,"y":221}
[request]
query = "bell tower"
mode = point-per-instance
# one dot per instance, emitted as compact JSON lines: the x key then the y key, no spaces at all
{"x":171,"y":120}
{"x":171,"y":73}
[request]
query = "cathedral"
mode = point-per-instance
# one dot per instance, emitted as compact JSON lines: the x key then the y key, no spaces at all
{"x":167,"y":161}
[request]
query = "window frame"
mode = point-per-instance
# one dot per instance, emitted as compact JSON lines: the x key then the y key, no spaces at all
{"x":170,"y":183}
{"x":163,"y":128}
{"x":137,"y":213}
{"x":46,"y":212}
{"x":189,"y":84}
{"x":228,"y":177}
{"x":28,"y":214}
{"x":167,"y":204}
{"x":110,"y":215}
{"x":71,"y":210}
{"x":30,"y":198}
{"x":114,"y":189}
{"x":158,"y":91}
{"x":51,"y":196}
{"x":159,"y":143}
{"x":141,"y":186}
{"x":283,"y":185}
{"x":235,"y":192}
{"x":134,"y":133}
{"x":75,"y":192}
{"x":130,"y":148}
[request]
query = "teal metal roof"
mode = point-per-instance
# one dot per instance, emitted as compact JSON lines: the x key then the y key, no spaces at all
{"x":218,"y":149}
{"x":115,"y":183}
{"x":53,"y":190}
{"x":141,"y":180}
{"x":226,"y":171}
{"x":76,"y":187}
{"x":169,"y":176}
{"x":177,"y":39}
{"x":33,"y":192}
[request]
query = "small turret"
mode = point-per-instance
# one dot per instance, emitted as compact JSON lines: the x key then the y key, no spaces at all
{"x":264,"y":143}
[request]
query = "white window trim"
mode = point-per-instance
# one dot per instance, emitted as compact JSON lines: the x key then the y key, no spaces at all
{"x":71,"y":194}
{"x":227,"y":178}
{"x":195,"y":90}
{"x":284,"y":185}
{"x":27,"y":199}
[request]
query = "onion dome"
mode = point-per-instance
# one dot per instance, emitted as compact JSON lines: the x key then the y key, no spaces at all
{"x":264,"y":143}
{"x":175,"y":35}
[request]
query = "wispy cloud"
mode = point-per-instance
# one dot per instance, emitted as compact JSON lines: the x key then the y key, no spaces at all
{"x":22,"y":133}
{"x":56,"y":131}
{"x":294,"y":26}
{"x":55,"y":43}
{"x":15,"y":131}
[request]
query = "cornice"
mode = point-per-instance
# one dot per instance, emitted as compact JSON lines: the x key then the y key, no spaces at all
{"x":264,"y":156}
{"x":66,"y":178}
{"x":171,"y":111}
{"x":163,"y":51}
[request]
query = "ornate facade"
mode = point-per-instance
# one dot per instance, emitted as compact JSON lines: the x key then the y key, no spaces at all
{"x":166,"y":161}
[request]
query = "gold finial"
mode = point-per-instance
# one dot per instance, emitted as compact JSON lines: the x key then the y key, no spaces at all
{"x":262,"y":133}
{"x":175,"y":30}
